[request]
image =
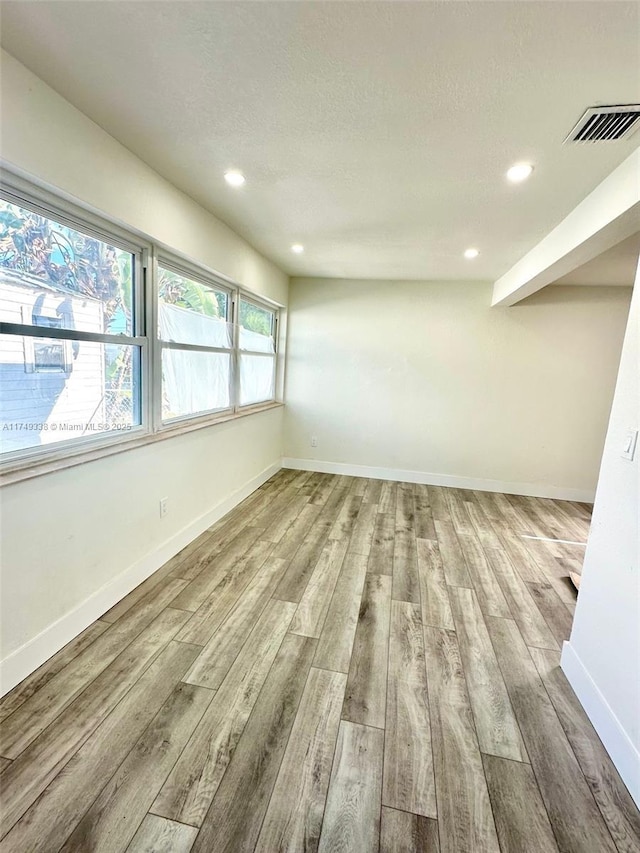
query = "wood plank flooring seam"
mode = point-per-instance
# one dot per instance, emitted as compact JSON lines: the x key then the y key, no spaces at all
{"x":465,"y":812}
{"x":509,"y":697}
{"x":333,"y":759}
{"x":408,"y":775}
{"x":472,"y":551}
{"x":629,"y":815}
{"x":135,"y":635}
{"x":38,"y":679}
{"x":227,"y":820}
{"x":475,"y":726}
{"x":223,"y":595}
{"x":365,"y":700}
{"x":125,"y":760}
{"x":466,"y":656}
{"x":169,"y":804}
{"x":528,"y":763}
{"x":310,"y":675}
{"x":522,"y":822}
{"x":428,"y":687}
{"x":584,"y":775}
{"x":324,"y":522}
{"x":352,"y":813}
{"x":304,"y":687}
{"x":260,"y":606}
{"x":345,"y":603}
{"x":84,"y":741}
{"x":565,"y":841}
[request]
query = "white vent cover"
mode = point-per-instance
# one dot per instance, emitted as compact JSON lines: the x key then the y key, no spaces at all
{"x":606,"y":124}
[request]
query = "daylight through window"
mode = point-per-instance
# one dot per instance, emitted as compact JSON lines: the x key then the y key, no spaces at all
{"x":69,"y":359}
{"x":76,"y":366}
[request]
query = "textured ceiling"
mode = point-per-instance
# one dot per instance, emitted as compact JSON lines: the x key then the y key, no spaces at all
{"x":376,"y":134}
{"x":616,"y":267}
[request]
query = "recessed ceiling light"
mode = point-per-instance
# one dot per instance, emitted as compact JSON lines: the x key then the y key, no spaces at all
{"x":297,"y":248}
{"x":519,"y":172}
{"x":471,"y":253}
{"x":234,"y":178}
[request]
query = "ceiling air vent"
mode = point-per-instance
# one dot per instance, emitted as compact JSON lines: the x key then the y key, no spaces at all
{"x":606,"y":124}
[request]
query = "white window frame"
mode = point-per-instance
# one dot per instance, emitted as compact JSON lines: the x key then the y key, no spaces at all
{"x":198,"y":275}
{"x":251,"y":299}
{"x":235,"y":292}
{"x":29,"y":348}
{"x":29,"y":462}
{"x":46,"y":204}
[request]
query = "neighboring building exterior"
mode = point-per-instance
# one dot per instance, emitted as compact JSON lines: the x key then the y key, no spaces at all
{"x":50,"y":389}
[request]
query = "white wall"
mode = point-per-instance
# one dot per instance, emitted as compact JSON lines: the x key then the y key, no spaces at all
{"x":48,"y":138}
{"x":75,"y":541}
{"x":602,"y":658}
{"x":96,"y":528}
{"x":606,"y":217}
{"x":427,"y":378}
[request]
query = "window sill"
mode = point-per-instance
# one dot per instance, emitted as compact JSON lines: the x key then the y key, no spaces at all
{"x":26,"y":469}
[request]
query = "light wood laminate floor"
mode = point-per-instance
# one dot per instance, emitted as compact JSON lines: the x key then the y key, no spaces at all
{"x":339,"y":664}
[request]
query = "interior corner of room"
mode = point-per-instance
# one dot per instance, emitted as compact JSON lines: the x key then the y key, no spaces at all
{"x":420,"y":322}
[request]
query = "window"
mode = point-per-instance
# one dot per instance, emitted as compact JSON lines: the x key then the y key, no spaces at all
{"x":77,"y":370}
{"x":42,"y":355}
{"x":257,"y":344}
{"x":70,"y":366}
{"x":196,"y":338}
{"x":200,"y":356}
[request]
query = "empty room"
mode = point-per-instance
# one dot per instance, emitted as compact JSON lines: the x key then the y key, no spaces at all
{"x":319,"y":411}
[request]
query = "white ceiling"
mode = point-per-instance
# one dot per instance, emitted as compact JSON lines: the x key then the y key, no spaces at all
{"x":616,"y":267}
{"x":377,"y":134}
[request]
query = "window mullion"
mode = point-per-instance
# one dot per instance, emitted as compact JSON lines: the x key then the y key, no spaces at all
{"x":235,"y":388}
{"x":150,"y":373}
{"x":178,"y":345}
{"x":67,"y":334}
{"x":196,"y":362}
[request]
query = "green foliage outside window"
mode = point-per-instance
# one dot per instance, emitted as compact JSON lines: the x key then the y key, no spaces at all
{"x":175,"y":289}
{"x":69,"y":261}
{"x":38,"y":249}
{"x":255,"y":319}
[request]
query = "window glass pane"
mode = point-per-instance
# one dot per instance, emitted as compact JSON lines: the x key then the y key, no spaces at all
{"x":256,"y":327}
{"x":55,"y":390}
{"x":49,"y":355}
{"x":194,"y":381}
{"x":51,"y":274}
{"x":257,"y":379}
{"x":192,"y":313}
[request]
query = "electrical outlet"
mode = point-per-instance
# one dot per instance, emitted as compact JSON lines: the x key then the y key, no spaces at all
{"x":314,"y":441}
{"x":630,"y":442}
{"x":164,"y":507}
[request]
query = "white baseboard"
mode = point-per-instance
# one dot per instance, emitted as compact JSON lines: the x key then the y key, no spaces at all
{"x":616,"y":741}
{"x":23,"y":661}
{"x":534,"y":490}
